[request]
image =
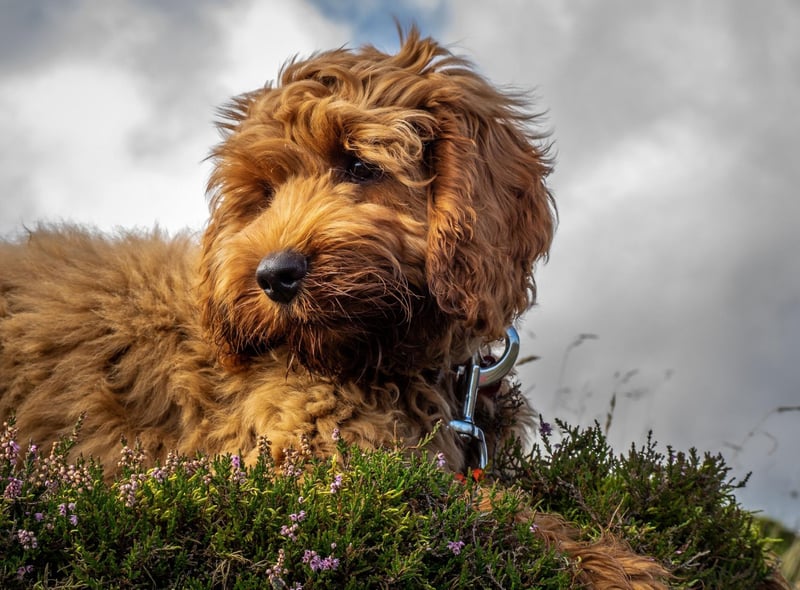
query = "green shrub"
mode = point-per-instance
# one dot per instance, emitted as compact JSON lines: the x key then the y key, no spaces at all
{"x":679,"y":507}
{"x":382,"y":519}
{"x":386,"y":519}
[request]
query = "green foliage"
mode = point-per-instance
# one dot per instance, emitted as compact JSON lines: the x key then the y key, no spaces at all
{"x":382,"y":519}
{"x":787,"y":546}
{"x":679,"y":507}
{"x":385,"y":519}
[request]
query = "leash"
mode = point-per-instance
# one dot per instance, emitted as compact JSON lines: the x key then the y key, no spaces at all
{"x":478,"y":376}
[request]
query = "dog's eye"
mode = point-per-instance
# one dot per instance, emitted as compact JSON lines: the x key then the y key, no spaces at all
{"x":361,"y":172}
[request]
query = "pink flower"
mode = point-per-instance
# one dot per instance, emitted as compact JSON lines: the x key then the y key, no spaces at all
{"x":317,"y":563}
{"x":336,"y":484}
{"x":455,"y":546}
{"x":27,"y":539}
{"x":13,"y":489}
{"x":289,"y":531}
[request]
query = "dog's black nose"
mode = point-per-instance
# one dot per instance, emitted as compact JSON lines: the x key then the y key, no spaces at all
{"x":280,"y":274}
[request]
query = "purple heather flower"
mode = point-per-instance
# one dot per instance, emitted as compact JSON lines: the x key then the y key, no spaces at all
{"x":238,"y":473}
{"x":455,"y":546}
{"x":317,"y":563}
{"x":13,"y":489}
{"x":275,"y":572}
{"x":62,"y":509}
{"x":336,"y":435}
{"x":290,"y":532}
{"x":38,"y":517}
{"x":27,"y":539}
{"x":159,"y":474}
{"x":73,"y":519}
{"x":440,"y":460}
{"x":336,"y":484}
{"x":13,"y":446}
{"x":9,"y":449}
{"x":545,"y":429}
{"x":25,"y":569}
{"x":127,"y":491}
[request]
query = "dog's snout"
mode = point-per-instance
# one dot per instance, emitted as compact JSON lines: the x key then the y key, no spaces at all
{"x":280,"y":274}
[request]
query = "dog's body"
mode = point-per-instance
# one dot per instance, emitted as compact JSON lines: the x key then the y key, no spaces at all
{"x":374,"y":220}
{"x":110,"y":328}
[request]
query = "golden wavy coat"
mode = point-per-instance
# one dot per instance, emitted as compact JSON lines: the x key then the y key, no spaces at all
{"x":374,"y":219}
{"x":411,"y":194}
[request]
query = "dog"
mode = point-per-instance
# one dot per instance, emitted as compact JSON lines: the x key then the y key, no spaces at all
{"x":374,"y":220}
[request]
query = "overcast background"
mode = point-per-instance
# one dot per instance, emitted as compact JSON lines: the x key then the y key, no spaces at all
{"x":674,"y":280}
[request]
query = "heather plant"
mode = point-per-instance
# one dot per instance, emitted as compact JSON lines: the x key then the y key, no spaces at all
{"x":384,"y":519}
{"x":679,"y":507}
{"x":380,"y":519}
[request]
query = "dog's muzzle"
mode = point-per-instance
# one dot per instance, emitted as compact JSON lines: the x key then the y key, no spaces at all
{"x":281,"y":274}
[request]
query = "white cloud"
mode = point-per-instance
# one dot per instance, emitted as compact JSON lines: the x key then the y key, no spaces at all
{"x":69,"y":127}
{"x":262,"y":36}
{"x":111,"y":127}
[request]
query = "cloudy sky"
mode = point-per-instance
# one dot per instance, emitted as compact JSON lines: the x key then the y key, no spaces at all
{"x":674,"y":281}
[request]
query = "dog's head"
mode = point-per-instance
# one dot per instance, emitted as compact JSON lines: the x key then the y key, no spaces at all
{"x":371,"y":208}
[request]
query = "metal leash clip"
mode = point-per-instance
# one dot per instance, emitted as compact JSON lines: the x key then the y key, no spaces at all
{"x":477,"y":377}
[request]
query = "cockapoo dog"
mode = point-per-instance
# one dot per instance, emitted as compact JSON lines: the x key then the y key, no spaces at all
{"x":374,"y":220}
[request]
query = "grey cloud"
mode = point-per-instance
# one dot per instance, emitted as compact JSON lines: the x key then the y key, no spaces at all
{"x":676,"y":136}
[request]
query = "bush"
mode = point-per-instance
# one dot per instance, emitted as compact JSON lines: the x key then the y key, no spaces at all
{"x":382,"y":519}
{"x":679,"y":507}
{"x":360,"y":520}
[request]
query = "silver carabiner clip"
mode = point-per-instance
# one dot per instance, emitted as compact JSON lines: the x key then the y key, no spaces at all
{"x":478,"y":376}
{"x":493,"y":373}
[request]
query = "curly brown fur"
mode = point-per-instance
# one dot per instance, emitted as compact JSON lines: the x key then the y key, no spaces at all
{"x":408,"y":196}
{"x":604,"y":563}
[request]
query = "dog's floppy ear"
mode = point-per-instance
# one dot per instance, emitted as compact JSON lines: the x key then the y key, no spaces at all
{"x":491,"y":216}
